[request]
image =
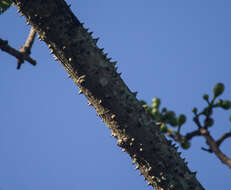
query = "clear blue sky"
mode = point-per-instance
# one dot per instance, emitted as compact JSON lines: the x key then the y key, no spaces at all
{"x":49,"y":137}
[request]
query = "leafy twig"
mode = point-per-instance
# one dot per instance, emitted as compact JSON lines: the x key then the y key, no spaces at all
{"x":166,"y":117}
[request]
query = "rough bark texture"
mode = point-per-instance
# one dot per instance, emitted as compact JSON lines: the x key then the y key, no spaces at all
{"x":96,"y":76}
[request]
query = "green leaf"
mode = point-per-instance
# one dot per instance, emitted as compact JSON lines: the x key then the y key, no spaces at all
{"x":218,"y":89}
{"x":209,"y":122}
{"x":181,"y":120}
{"x":143,"y":102}
{"x":219,"y":102}
{"x":147,"y":108}
{"x":194,"y":110}
{"x":4,"y":5}
{"x":163,"y":128}
{"x":207,"y":111}
{"x":206,"y":97}
{"x":173,"y":122}
{"x":185,"y":145}
{"x":154,"y":111}
{"x":156,"y":103}
{"x":164,"y":110}
{"x":226,"y":104}
{"x":169,"y":115}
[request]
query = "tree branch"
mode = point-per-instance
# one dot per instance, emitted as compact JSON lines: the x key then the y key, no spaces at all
{"x":192,"y":134}
{"x":26,"y":49}
{"x":203,"y":131}
{"x":218,"y":142}
{"x":215,"y":148}
{"x":5,"y":47}
{"x":179,"y":138}
{"x":212,"y":143}
{"x":222,"y":138}
{"x":96,"y":76}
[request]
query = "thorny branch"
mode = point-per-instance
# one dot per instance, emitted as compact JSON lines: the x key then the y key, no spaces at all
{"x":96,"y":76}
{"x":24,"y":53}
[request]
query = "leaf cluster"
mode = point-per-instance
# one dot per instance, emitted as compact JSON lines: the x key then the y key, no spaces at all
{"x":171,"y":124}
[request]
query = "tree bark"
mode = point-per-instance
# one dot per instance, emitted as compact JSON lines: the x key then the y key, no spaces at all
{"x":97,"y":78}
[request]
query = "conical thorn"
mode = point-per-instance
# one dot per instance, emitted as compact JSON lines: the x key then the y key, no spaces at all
{"x":96,"y":40}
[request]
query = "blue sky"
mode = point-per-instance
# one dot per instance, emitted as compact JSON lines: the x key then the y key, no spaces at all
{"x":50,"y":139}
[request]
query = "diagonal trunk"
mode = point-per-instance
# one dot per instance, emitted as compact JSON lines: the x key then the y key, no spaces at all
{"x":96,"y":76}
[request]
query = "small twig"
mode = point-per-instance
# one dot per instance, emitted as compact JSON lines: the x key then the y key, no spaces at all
{"x":212,"y":143}
{"x":197,"y":121}
{"x":192,"y":134}
{"x":213,"y":146}
{"x":222,"y":138}
{"x":218,"y":142}
{"x":207,"y":149}
{"x":180,"y":138}
{"x":5,"y":47}
{"x":26,"y":49}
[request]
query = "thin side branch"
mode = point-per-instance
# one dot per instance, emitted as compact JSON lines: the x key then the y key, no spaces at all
{"x":26,"y":49}
{"x":212,"y":143}
{"x":180,"y":138}
{"x":222,"y":138}
{"x":5,"y":47}
{"x":218,"y":142}
{"x":203,"y":131}
{"x":213,"y":146}
{"x":192,"y":134}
